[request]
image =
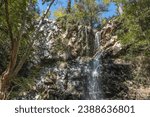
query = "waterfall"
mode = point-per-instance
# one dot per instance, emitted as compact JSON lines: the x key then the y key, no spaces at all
{"x":97,"y":40}
{"x":94,"y":89}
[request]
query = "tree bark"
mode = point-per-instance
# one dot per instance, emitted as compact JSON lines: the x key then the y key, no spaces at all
{"x":7,"y":74}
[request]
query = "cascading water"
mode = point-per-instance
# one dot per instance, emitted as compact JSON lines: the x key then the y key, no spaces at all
{"x":94,"y":90}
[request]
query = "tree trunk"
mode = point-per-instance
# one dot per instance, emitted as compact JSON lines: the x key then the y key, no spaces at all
{"x":69,"y":6}
{"x":4,"y":83}
{"x":7,"y":74}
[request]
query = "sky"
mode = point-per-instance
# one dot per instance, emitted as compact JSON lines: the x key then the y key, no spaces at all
{"x":111,"y":8}
{"x":112,"y":11}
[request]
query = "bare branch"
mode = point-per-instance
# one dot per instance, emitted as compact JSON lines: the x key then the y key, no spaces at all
{"x":44,"y":15}
{"x":46,"y":12}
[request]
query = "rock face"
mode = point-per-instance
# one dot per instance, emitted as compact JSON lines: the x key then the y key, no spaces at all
{"x":122,"y":79}
{"x":64,"y":81}
{"x":69,"y":59}
{"x":64,"y":60}
{"x":113,"y":74}
{"x":71,"y":79}
{"x":54,"y":43}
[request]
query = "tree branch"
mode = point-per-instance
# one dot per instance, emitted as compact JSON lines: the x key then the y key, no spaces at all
{"x":8,"y":21}
{"x":44,"y":15}
{"x":46,"y":12}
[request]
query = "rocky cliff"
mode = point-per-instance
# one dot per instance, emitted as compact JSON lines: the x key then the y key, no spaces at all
{"x":65,"y":59}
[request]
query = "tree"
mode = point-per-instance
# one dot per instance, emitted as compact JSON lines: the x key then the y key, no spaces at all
{"x":69,"y":6}
{"x":17,"y":18}
{"x":85,"y":12}
{"x":135,"y":28}
{"x":90,"y":11}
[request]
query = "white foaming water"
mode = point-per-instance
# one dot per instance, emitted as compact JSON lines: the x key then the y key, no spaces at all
{"x":94,"y":90}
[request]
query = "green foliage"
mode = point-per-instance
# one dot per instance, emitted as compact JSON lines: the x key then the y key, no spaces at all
{"x":22,"y":15}
{"x":116,"y":1}
{"x":18,"y":11}
{"x":59,"y":13}
{"x":106,"y":1}
{"x":17,"y":23}
{"x":135,"y":28}
{"x":88,"y":11}
{"x":85,"y":12}
{"x":22,"y":84}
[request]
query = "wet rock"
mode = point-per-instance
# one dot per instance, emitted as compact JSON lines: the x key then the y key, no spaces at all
{"x":63,"y":65}
{"x":116,"y":48}
{"x":63,"y":81}
{"x":65,"y":56}
{"x":48,"y":81}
